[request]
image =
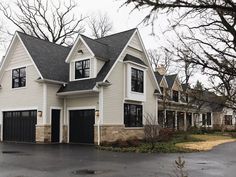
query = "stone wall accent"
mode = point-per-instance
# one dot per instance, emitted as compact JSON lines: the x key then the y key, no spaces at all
{"x":65,"y":134}
{"x":111,"y":133}
{"x":43,"y":133}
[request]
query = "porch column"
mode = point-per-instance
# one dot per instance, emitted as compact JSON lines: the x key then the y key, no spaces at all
{"x":185,"y":121}
{"x":192,"y":121}
{"x":164,"y":122}
{"x":176,"y":120}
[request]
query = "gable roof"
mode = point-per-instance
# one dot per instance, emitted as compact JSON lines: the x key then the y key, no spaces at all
{"x":115,"y":44}
{"x":99,"y":49}
{"x":171,"y":79}
{"x":48,"y":57}
{"x":159,"y":77}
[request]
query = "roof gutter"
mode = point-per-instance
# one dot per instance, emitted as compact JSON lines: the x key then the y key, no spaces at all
{"x":81,"y":92}
{"x":51,"y":81}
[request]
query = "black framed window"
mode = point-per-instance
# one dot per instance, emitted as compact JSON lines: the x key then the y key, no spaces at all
{"x":228,"y":120}
{"x":19,"y":77}
{"x":208,"y":118}
{"x":175,"y":96}
{"x":137,"y":80}
{"x":133,"y":115}
{"x":82,"y":69}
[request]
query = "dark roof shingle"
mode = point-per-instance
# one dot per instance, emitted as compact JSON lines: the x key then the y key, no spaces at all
{"x":48,"y":57}
{"x":116,"y":44}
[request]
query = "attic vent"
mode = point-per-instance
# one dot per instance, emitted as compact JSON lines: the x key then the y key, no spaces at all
{"x":80,"y":51}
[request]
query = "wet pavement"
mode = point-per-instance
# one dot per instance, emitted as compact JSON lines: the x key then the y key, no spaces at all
{"x":30,"y":160}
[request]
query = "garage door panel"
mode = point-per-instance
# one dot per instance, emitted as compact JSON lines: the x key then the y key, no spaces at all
{"x":19,"y":126}
{"x":82,"y":126}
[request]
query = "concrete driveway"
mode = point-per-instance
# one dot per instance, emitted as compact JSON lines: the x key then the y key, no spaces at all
{"x":28,"y":160}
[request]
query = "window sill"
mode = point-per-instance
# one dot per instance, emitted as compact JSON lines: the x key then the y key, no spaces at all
{"x":18,"y":88}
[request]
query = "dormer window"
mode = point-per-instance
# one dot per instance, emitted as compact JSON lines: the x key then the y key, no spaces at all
{"x":18,"y":77}
{"x":175,"y":96}
{"x":136,"y":80}
{"x":82,"y":69}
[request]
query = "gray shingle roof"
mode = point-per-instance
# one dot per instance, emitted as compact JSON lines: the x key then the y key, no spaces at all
{"x":48,"y":57}
{"x":158,"y":77}
{"x":116,"y":44}
{"x":100,"y":50}
{"x":134,"y":59}
{"x":171,"y":79}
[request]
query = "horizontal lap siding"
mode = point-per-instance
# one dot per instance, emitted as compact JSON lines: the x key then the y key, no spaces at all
{"x":114,"y":96}
{"x":53,"y":99}
{"x":31,"y":95}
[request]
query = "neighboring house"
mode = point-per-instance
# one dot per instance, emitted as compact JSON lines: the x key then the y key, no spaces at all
{"x":98,"y":90}
{"x":179,"y":107}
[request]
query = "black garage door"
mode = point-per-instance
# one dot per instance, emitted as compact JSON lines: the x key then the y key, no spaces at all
{"x":19,"y":126}
{"x":82,"y":126}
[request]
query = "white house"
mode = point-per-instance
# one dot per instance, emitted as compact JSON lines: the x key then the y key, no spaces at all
{"x":98,"y":90}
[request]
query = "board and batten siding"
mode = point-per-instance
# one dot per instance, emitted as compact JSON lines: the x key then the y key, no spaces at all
{"x":24,"y":98}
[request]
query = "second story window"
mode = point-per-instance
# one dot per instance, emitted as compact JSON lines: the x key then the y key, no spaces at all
{"x":82,"y":69}
{"x":18,"y":77}
{"x":175,"y":96}
{"x":137,"y":80}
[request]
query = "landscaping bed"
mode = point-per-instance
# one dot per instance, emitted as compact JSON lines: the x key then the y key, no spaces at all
{"x":178,"y":143}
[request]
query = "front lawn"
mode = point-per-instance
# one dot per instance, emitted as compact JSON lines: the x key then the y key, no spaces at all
{"x":180,"y":142}
{"x":208,"y":142}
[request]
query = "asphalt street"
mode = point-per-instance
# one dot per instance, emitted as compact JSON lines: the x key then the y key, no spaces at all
{"x":58,"y":160}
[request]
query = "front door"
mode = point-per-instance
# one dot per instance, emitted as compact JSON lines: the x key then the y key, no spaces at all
{"x":55,"y":125}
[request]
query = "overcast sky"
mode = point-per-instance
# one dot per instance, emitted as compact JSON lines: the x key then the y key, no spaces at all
{"x":123,"y":19}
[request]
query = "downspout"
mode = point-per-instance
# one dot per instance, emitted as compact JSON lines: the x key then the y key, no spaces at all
{"x":100,"y":116}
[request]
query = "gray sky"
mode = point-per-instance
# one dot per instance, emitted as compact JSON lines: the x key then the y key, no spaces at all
{"x":122,"y":19}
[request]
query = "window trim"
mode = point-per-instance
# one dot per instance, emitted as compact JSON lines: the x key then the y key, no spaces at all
{"x":18,"y":68}
{"x":137,"y":126}
{"x":74,"y":68}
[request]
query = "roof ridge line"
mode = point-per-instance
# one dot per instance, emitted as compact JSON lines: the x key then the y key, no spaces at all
{"x":116,"y":33}
{"x":42,"y":39}
{"x":94,"y":40}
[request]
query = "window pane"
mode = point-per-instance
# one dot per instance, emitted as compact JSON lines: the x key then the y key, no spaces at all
{"x":22,"y":72}
{"x":18,"y":77}
{"x":82,"y":69}
{"x":136,"y":80}
{"x":133,"y":115}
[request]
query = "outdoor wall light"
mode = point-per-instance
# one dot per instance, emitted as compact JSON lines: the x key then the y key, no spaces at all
{"x":40,"y":113}
{"x":97,"y":113}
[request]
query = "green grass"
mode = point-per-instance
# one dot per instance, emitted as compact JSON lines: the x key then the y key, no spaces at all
{"x":170,"y":146}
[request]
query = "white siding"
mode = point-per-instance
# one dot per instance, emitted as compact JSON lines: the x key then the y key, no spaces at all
{"x":135,"y":42}
{"x":53,"y":101}
{"x":114,"y":97}
{"x":83,"y":102}
{"x":100,"y":64}
{"x":28,"y":97}
{"x":76,"y":55}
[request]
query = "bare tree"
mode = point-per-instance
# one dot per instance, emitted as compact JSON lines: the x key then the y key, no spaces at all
{"x":100,"y":25}
{"x":43,"y":19}
{"x":210,"y":35}
{"x":160,"y":57}
{"x":151,"y":130}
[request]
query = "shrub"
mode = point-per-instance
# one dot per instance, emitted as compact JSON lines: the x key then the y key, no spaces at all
{"x":134,"y":142}
{"x":233,"y":134}
{"x":165,"y":134}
